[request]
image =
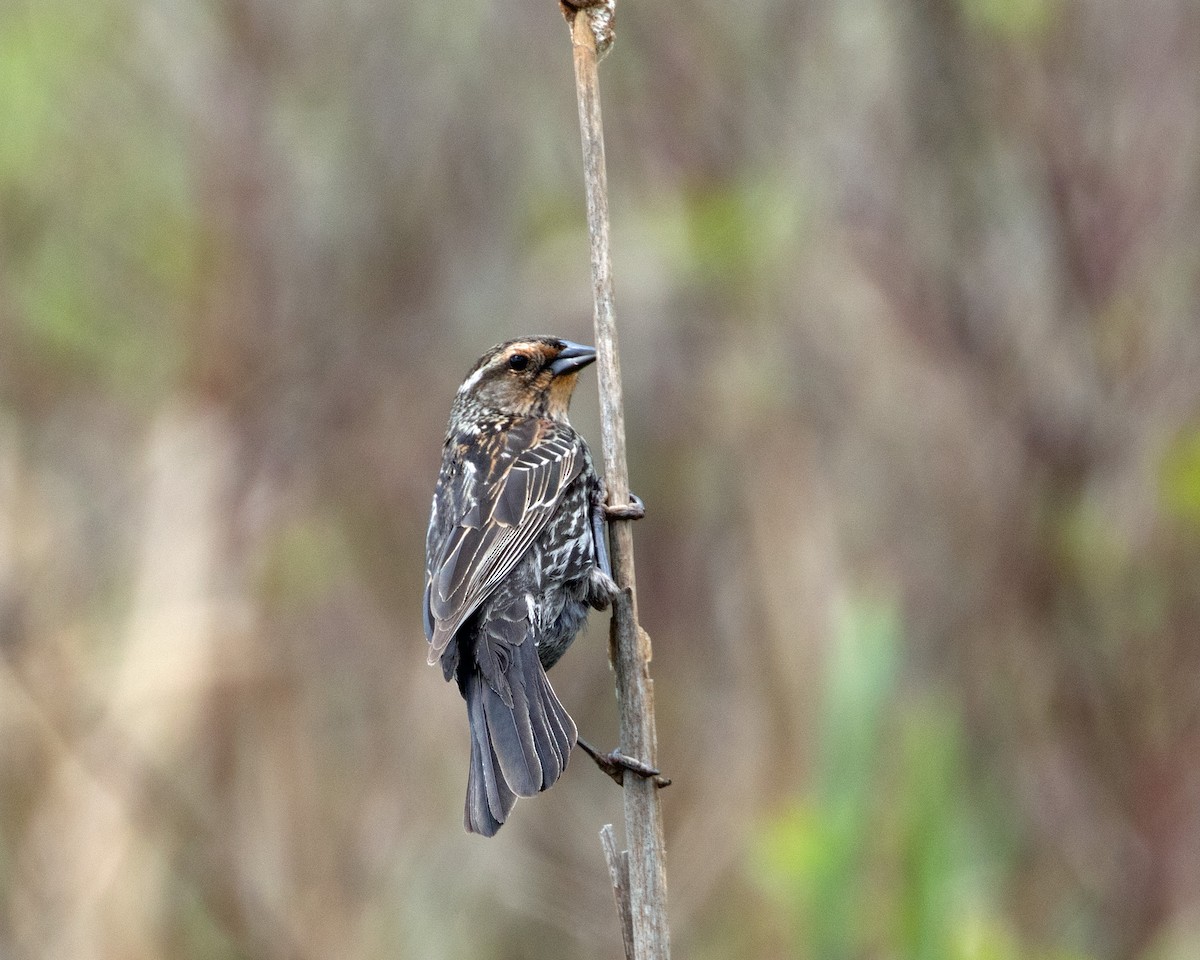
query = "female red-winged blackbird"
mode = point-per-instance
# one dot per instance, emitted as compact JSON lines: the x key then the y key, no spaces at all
{"x":514,"y":556}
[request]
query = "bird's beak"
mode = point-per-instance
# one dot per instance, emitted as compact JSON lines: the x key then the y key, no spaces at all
{"x":572,"y":357}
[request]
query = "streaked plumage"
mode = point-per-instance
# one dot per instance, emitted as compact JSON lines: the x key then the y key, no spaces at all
{"x":514,"y":556}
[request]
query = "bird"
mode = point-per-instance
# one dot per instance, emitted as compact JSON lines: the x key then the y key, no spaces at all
{"x":515,"y":556}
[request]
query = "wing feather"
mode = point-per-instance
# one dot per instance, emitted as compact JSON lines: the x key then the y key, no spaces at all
{"x":515,"y":492}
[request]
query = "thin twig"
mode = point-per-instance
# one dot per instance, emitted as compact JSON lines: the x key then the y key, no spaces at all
{"x":629,"y":644}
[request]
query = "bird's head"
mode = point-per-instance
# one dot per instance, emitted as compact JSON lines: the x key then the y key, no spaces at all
{"x":530,"y":377}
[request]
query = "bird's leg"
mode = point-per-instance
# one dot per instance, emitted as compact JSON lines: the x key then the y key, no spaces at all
{"x":615,"y":764}
{"x":604,"y":589}
{"x":598,"y":534}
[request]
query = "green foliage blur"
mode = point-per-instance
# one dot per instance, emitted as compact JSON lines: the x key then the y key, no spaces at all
{"x":895,"y":850}
{"x":909,"y":301}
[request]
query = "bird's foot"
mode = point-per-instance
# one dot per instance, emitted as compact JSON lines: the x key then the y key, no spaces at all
{"x":603,"y":589}
{"x":635,"y":509}
{"x":616,"y":765}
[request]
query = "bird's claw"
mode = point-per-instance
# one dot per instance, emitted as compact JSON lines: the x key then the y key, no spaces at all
{"x":616,"y":764}
{"x":635,"y":509}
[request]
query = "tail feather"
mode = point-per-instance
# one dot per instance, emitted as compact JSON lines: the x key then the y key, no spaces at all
{"x":510,"y":729}
{"x":489,"y":799}
{"x":552,"y":729}
{"x":517,"y":748}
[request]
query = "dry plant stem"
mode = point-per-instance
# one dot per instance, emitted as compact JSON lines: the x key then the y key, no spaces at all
{"x":629,"y":644}
{"x":618,"y":872}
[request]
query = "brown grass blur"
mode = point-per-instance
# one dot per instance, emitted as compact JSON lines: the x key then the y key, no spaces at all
{"x":909,"y":298}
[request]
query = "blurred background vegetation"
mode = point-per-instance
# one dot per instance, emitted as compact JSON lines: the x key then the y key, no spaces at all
{"x":909,"y":294}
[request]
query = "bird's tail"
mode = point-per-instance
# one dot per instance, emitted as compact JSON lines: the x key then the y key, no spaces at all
{"x":518,"y":748}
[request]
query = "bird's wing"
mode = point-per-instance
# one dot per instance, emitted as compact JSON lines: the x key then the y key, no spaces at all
{"x":496,"y":506}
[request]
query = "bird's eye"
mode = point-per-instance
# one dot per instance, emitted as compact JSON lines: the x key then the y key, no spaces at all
{"x":518,"y":361}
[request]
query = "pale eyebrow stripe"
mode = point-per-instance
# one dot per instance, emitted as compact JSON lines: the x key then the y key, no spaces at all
{"x":472,"y":380}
